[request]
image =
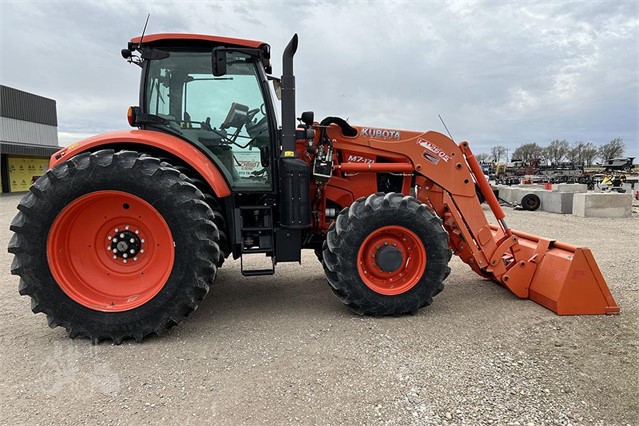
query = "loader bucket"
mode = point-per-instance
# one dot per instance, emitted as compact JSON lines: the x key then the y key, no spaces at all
{"x":561,"y":277}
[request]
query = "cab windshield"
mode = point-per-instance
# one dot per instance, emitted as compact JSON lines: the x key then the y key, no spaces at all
{"x":226,"y":115}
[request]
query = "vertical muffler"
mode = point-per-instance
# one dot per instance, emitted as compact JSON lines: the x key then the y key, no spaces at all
{"x":295,"y":199}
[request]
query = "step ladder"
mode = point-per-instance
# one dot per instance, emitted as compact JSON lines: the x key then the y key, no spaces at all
{"x":255,"y":235}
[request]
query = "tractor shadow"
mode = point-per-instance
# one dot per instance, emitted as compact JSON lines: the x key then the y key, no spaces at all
{"x":300,"y":295}
{"x":294,"y":290}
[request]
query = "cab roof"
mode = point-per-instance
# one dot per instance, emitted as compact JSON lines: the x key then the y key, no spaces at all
{"x":154,"y":38}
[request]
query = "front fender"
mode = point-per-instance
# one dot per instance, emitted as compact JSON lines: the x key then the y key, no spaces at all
{"x":171,"y":144}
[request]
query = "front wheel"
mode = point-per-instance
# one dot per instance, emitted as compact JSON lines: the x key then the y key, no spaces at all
{"x":114,"y":246}
{"x":386,"y":254}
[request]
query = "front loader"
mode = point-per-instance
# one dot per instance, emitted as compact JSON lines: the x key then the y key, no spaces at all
{"x":123,"y":235}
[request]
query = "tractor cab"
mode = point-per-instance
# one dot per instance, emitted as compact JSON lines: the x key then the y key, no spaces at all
{"x":230,"y":116}
{"x":214,"y":93}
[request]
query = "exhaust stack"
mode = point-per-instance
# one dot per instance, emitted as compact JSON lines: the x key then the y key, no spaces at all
{"x":295,"y":198}
{"x":288,"y":100}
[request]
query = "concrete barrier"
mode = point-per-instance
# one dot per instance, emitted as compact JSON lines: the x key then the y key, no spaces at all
{"x":602,"y":205}
{"x":570,"y":187}
{"x":508,"y":193}
{"x":553,"y":202}
{"x":556,"y":202}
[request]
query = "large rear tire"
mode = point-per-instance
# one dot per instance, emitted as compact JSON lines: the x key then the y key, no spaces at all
{"x":114,"y":246}
{"x":214,"y":203}
{"x":387,"y":254}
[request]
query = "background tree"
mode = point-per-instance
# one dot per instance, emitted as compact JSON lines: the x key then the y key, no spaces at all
{"x":528,"y":152}
{"x":574,"y":153}
{"x":498,"y":152}
{"x":557,"y":151}
{"x":583,"y":153}
{"x":614,"y":148}
{"x":589,"y":153}
{"x":482,"y":157}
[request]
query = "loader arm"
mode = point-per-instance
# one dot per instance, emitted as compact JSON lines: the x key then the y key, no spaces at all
{"x":559,"y":276}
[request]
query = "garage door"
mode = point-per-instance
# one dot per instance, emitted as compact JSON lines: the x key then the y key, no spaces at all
{"x":25,"y":170}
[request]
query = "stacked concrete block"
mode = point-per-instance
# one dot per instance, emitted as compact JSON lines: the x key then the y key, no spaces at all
{"x":565,"y":198}
{"x":556,"y":202}
{"x":570,"y":187}
{"x":509,"y":193}
{"x":602,"y":205}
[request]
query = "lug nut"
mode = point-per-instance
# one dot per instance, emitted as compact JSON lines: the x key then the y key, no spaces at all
{"x":132,"y":251}
{"x":125,"y":255}
{"x":115,"y":240}
{"x":115,"y":250}
{"x":121,"y":235}
{"x":132,"y":240}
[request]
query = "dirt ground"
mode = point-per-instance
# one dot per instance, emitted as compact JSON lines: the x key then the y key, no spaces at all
{"x":282,"y":349}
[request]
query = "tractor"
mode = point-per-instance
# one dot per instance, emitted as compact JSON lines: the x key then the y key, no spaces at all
{"x":124,"y":234}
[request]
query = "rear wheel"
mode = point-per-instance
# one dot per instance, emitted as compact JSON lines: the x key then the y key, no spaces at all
{"x":386,"y":255}
{"x":114,"y":246}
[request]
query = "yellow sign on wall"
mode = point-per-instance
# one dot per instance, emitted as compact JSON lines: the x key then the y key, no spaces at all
{"x":23,"y":171}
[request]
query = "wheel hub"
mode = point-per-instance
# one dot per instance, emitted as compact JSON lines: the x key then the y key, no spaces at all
{"x":389,"y":258}
{"x":126,"y":244}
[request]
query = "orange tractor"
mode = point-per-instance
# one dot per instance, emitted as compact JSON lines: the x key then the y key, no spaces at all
{"x":123,"y":236}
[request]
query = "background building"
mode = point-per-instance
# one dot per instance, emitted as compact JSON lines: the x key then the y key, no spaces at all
{"x":28,"y":137}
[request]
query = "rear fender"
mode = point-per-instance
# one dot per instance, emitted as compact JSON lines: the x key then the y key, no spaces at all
{"x":168,"y":143}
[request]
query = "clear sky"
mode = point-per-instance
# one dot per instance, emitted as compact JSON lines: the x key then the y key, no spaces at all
{"x":499,"y":72}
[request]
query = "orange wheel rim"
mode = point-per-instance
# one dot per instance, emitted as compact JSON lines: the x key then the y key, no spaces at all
{"x":391,"y":260}
{"x":110,"y":251}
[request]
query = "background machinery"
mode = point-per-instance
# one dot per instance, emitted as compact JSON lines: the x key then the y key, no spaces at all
{"x":123,"y":236}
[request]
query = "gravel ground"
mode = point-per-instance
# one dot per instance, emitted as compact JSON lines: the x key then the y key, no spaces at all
{"x":282,"y":349}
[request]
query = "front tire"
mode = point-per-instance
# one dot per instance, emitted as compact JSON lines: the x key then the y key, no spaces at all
{"x":386,"y":254}
{"x":114,"y":246}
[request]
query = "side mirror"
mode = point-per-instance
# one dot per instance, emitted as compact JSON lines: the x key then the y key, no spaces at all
{"x":277,"y":86}
{"x":218,"y":60}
